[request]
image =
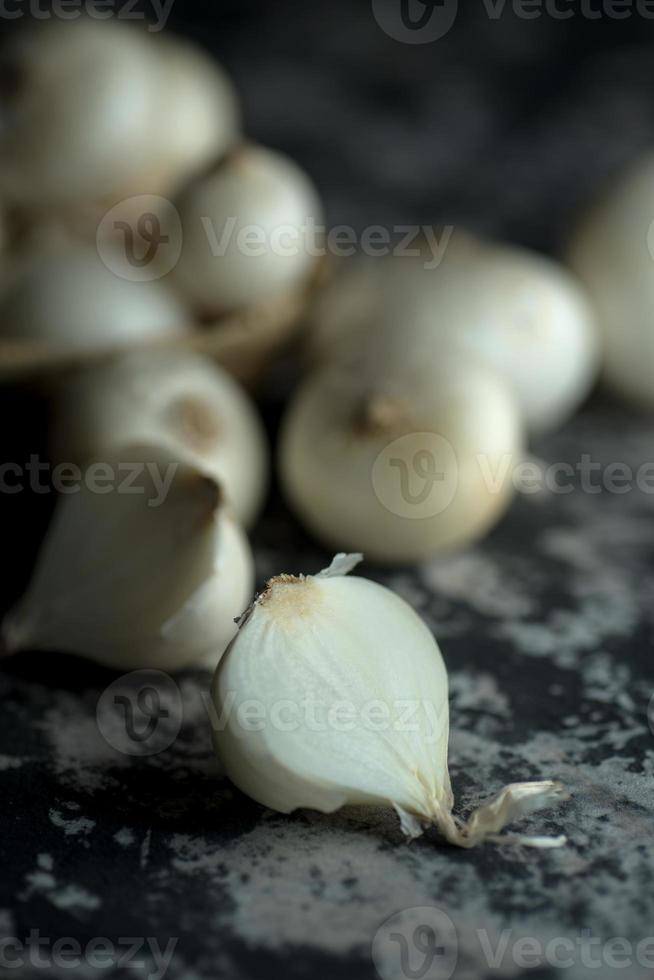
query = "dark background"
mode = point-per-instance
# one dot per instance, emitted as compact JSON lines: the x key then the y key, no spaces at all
{"x":505,"y":125}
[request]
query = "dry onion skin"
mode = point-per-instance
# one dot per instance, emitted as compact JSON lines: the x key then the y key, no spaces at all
{"x":613,"y":255}
{"x":522,"y":313}
{"x":310,"y":710}
{"x":246,"y":232}
{"x":72,"y":302}
{"x":401,"y":464}
{"x":137,"y":579}
{"x":175,"y":399}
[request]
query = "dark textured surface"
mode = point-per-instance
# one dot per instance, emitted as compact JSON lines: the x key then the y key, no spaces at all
{"x":546,"y":626}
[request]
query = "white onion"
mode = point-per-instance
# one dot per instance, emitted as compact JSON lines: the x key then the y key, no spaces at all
{"x":253,"y":192}
{"x":613,"y":255}
{"x":72,"y":301}
{"x":196,"y":119}
{"x":401,"y":462}
{"x":521,"y":313}
{"x":179,"y":400}
{"x":137,"y":579}
{"x":75,"y":125}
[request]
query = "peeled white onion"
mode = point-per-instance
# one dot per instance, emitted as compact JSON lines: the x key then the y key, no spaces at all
{"x":179,"y":400}
{"x":521,"y":313}
{"x":72,"y":301}
{"x":401,"y":462}
{"x":613,"y":255}
{"x":141,"y":576}
{"x":247,"y":231}
{"x":334,"y":693}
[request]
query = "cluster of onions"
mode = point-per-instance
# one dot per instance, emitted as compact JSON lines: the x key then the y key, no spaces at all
{"x":154,"y":569}
{"x":101,"y":115}
{"x":393,"y":338}
{"x":101,"y":110}
{"x":424,"y":385}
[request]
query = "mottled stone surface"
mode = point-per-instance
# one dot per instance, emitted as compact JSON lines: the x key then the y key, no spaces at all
{"x":546,"y":630}
{"x":546,"y":626}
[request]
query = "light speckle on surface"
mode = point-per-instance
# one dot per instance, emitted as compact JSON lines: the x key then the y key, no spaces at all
{"x":80,"y":753}
{"x":125,"y":837}
{"x":71,"y":826}
{"x":145,"y":849}
{"x":477,"y":581}
{"x":74,"y":897}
